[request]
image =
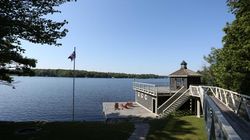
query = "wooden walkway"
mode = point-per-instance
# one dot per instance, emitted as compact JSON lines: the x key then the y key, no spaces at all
{"x":241,"y":127}
{"x":140,"y":132}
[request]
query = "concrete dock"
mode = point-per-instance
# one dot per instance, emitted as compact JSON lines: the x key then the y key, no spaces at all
{"x":136,"y":111}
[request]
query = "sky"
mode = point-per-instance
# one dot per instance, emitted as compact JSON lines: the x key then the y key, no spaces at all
{"x":135,"y":36}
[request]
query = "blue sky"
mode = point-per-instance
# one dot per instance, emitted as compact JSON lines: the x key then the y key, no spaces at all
{"x":135,"y":36}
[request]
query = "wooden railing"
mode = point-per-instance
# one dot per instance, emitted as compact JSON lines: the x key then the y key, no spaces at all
{"x":171,"y":100}
{"x":238,"y":103}
{"x":217,"y":126}
{"x":151,"y":89}
{"x":145,"y":87}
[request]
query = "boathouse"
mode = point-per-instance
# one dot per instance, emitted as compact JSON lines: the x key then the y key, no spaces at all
{"x":153,"y":97}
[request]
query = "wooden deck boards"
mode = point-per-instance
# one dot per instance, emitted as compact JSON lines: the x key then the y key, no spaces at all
{"x":134,"y":112}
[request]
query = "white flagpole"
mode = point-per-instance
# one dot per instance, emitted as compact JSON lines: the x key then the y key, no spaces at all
{"x":73,"y":110}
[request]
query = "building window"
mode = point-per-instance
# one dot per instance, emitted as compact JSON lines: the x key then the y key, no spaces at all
{"x":142,"y":95}
{"x":179,"y":82}
{"x":138,"y":94}
{"x":146,"y":97}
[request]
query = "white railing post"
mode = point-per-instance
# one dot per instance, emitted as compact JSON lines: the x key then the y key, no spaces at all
{"x":217,"y":93}
{"x":201,"y":96}
{"x":191,"y":90}
{"x":225,"y":96}
{"x":233,"y":101}
{"x":198,"y":109}
{"x":221,"y":98}
{"x":212,"y":89}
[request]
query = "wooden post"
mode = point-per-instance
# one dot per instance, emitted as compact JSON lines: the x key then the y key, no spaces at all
{"x":191,"y":106}
{"x":198,"y":109}
{"x":73,"y":105}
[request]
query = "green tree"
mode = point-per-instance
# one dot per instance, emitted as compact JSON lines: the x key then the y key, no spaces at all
{"x":26,"y":20}
{"x":231,"y":64}
{"x":208,"y":72}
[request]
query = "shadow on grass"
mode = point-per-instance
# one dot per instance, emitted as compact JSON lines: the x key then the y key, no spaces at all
{"x":117,"y":117}
{"x":113,"y":129}
{"x":170,"y":128}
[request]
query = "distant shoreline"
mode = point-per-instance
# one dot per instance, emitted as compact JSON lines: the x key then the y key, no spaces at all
{"x":163,"y":77}
{"x":90,"y":74}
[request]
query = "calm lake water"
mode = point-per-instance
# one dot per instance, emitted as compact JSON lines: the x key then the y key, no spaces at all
{"x":50,"y":98}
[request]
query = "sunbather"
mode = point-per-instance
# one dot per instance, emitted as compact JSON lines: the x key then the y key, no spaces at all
{"x":116,"y":106}
{"x":124,"y":106}
{"x":129,"y":104}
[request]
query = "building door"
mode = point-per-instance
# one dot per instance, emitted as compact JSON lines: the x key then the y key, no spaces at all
{"x":153,"y":105}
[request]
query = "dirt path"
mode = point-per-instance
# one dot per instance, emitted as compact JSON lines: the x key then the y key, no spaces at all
{"x":140,"y":132}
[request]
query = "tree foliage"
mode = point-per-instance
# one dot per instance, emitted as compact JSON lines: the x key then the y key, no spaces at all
{"x":230,"y":65}
{"x":207,"y":76}
{"x":26,"y":20}
{"x":89,"y":74}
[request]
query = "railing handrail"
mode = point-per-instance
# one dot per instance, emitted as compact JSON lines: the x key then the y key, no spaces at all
{"x":232,"y":100}
{"x":191,"y":89}
{"x":176,"y":99}
{"x":152,"y":84}
{"x":233,"y":92}
{"x":175,"y":94}
{"x":149,"y":88}
{"x":142,"y":83}
{"x":224,"y":125}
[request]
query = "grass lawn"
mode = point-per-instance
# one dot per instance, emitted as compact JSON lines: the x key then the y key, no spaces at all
{"x":177,"y":128}
{"x":67,"y":131}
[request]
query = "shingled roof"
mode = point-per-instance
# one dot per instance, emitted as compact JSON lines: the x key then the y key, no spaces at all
{"x":184,"y":72}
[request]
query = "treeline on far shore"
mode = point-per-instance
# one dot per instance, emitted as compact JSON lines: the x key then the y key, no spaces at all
{"x":89,"y":74}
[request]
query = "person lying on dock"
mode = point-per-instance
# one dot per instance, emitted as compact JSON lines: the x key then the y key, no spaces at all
{"x":123,"y":106}
{"x":116,"y":106}
{"x":126,"y":106}
{"x":129,"y":104}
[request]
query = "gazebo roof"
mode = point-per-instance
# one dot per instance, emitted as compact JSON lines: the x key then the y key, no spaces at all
{"x":184,"y":72}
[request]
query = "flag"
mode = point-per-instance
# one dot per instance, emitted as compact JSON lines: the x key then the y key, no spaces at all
{"x":72,"y":56}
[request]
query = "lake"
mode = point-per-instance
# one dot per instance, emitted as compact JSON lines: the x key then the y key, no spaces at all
{"x":50,"y":98}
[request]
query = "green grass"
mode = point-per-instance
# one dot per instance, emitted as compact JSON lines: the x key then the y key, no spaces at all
{"x":67,"y":131}
{"x":171,"y":128}
{"x":177,"y":128}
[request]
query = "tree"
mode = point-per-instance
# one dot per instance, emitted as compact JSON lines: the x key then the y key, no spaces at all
{"x":231,"y":64}
{"x":26,"y":20}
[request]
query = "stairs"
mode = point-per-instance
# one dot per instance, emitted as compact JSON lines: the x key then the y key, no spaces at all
{"x":174,"y":102}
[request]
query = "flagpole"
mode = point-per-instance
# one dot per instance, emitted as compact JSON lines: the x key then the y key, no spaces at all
{"x":73,"y":110}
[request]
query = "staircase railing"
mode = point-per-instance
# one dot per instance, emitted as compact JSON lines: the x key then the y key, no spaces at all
{"x":176,"y":100}
{"x":198,"y":91}
{"x":170,"y":100}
